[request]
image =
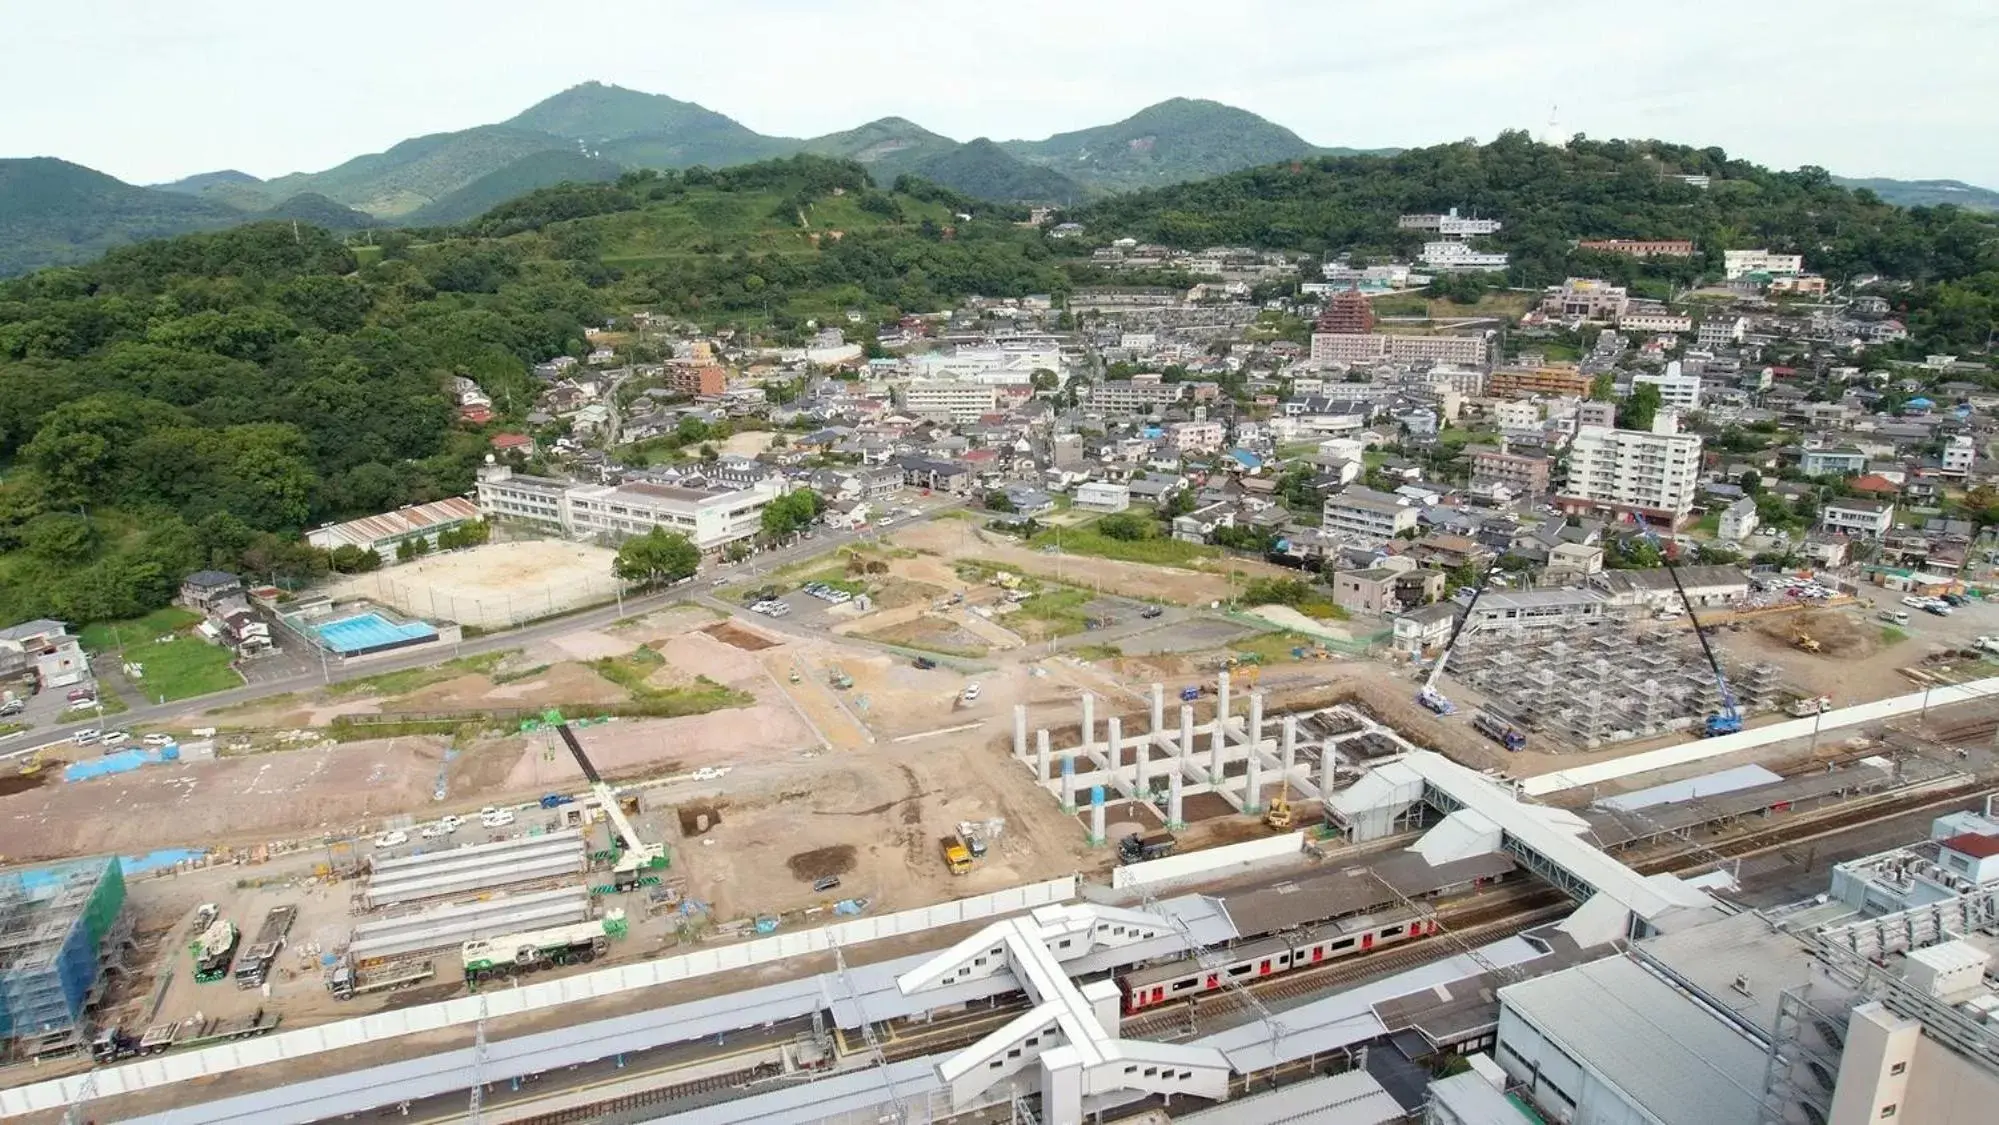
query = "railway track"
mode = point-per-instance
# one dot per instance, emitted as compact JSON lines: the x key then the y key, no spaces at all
{"x":643,"y":1099}
{"x":1466,"y":923}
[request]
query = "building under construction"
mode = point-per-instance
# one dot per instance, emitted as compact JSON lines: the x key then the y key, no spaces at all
{"x":1597,"y":683}
{"x":61,"y":928}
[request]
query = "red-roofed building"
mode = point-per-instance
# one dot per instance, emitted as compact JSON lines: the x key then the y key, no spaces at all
{"x":509,"y":443}
{"x":1971,"y":855}
{"x":1874,"y":484}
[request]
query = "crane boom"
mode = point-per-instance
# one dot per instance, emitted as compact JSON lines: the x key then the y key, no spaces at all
{"x":636,"y":854}
{"x":1729,"y":720}
{"x":1430,"y":697}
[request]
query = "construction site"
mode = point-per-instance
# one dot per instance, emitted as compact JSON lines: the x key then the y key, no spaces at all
{"x":1605,"y":682}
{"x":63,"y":930}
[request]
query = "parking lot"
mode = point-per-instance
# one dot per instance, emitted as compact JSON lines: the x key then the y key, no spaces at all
{"x":52,"y":707}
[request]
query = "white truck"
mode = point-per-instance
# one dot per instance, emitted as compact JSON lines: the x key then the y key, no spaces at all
{"x":577,"y":943}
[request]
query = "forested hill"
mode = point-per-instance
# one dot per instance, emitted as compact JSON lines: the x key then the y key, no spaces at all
{"x":1548,"y":197}
{"x":198,"y":401}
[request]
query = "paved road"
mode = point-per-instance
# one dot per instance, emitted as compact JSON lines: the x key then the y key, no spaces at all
{"x":332,"y":672}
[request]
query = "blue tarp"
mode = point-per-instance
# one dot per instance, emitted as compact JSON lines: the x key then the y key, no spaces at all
{"x":1246,"y":459}
{"x":124,"y":761}
{"x":154,"y":861}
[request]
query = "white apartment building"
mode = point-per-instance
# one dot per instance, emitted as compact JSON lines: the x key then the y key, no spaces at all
{"x":610,"y":513}
{"x":1459,"y":257}
{"x":1374,"y":347}
{"x":1366,"y":517}
{"x":1006,"y":362}
{"x":1196,"y":437}
{"x":1648,"y":320}
{"x":1740,"y":263}
{"x":1738,"y":521}
{"x":1721,"y":332}
{"x":1646,"y":475}
{"x":1869,"y":518}
{"x":1340,"y":275}
{"x":1140,"y":394}
{"x":1681,"y":392}
{"x":1450,"y":224}
{"x":1958,"y":456}
{"x":945,"y":400}
{"x":1102,"y":496}
{"x":1522,"y":415}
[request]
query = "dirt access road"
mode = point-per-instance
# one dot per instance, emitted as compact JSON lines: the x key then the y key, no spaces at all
{"x":961,"y":539}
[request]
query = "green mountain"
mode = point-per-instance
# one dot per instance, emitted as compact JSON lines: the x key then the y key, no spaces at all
{"x":530,"y":172}
{"x":887,"y":147}
{"x":311,"y":207}
{"x":416,"y":171}
{"x":638,"y":130}
{"x":1927,"y":193}
{"x":1176,"y":140}
{"x":983,"y":170}
{"x":53,"y":212}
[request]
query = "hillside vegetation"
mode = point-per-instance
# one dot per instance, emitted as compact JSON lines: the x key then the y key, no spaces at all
{"x":1549,"y":197}
{"x":52,"y":211}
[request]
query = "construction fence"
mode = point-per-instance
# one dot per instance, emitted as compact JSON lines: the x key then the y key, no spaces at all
{"x":166,"y":1070}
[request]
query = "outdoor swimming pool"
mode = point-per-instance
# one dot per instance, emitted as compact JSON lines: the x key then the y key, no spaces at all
{"x":371,"y":632}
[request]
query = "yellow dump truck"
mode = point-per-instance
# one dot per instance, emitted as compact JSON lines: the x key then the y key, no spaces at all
{"x":956,"y":856}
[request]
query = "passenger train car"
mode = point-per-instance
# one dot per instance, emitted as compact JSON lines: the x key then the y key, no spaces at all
{"x":1156,"y":985}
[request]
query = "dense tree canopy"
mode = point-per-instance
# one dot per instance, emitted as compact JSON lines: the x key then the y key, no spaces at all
{"x":201,"y":400}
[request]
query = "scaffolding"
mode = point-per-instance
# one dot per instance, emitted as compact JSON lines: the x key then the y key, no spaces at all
{"x":1599,"y":682}
{"x":61,"y":929}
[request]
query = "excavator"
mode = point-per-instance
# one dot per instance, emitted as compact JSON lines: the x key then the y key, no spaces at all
{"x":635,"y":857}
{"x":1278,"y":815}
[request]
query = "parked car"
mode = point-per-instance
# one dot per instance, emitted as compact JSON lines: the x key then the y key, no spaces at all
{"x":392,"y":839}
{"x":86,"y":737}
{"x":925,"y":663}
{"x":972,"y":692}
{"x":158,"y":740}
{"x":1152,"y":611}
{"x":556,"y":800}
{"x":114,"y":737}
{"x":79,"y":695}
{"x":1914,"y":602}
{"x":825,"y":882}
{"x":498,"y":818}
{"x":13,"y":707}
{"x":434,"y":832}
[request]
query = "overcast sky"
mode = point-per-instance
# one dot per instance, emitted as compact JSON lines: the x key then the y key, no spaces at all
{"x":152,"y":91}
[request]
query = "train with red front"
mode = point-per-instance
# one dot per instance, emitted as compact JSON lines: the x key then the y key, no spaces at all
{"x":1155,"y":985}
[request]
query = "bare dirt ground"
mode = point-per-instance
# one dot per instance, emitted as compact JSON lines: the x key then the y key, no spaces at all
{"x":244,"y":800}
{"x":959,"y":539}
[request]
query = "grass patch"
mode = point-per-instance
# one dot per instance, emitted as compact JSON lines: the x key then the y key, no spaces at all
{"x":1096,"y":652}
{"x":632,"y":670}
{"x":410,"y":679}
{"x":1272,"y":647}
{"x":1056,"y":613}
{"x":288,"y":699}
{"x":181,"y":669}
{"x":103,"y":636}
{"x":12,"y":728}
{"x":1157,"y":551}
{"x":517,"y":677}
{"x":1892,"y":636}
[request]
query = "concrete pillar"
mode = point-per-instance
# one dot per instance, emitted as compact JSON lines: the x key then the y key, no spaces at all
{"x":1069,"y":785}
{"x":1326,"y":769}
{"x":1041,"y":754}
{"x":1255,"y":721}
{"x":1215,"y":758}
{"x":1115,"y":738}
{"x":1175,"y":821}
{"x":1222,"y":699}
{"x":1096,"y":815}
{"x":1287,"y":746}
{"x":1252,"y":790}
{"x":1158,"y":706}
{"x":1020,"y":730}
{"x":1140,"y":750}
{"x":1186,"y":731}
{"x":1089,"y":719}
